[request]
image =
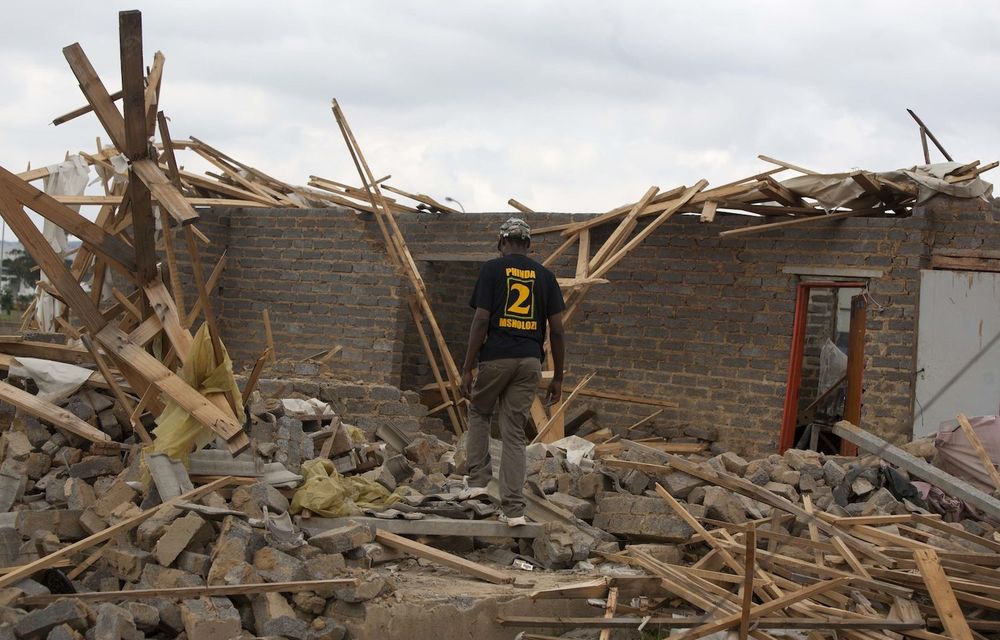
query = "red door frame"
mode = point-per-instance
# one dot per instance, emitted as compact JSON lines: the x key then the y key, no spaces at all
{"x":786,"y":439}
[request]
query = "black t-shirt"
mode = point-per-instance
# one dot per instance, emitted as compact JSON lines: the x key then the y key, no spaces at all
{"x":520,"y":295}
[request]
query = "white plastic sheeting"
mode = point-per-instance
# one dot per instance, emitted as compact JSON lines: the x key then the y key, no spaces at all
{"x":956,"y":455}
{"x":67,"y":178}
{"x":56,"y":380}
{"x":839,"y":190}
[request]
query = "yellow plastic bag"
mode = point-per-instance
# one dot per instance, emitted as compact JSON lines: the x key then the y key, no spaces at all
{"x":327,"y":493}
{"x":177,"y":434}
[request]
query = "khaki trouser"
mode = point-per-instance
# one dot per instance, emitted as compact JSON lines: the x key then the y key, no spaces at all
{"x":511,"y":382}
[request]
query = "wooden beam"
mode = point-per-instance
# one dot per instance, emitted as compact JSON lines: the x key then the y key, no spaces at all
{"x":953,"y":486}
{"x":746,"y":603}
{"x":50,"y":263}
{"x":426,"y":552}
{"x":123,"y":407}
{"x":788,"y":165}
{"x":708,"y":211}
{"x":771,"y":226}
{"x":97,"y":95}
{"x":942,"y":595}
{"x":924,"y":129}
{"x":52,"y":414}
{"x":80,"y":111}
{"x":431,"y":526}
{"x":621,"y":233}
{"x":520,"y":207}
{"x":95,"y":238}
{"x":544,"y":430}
{"x":164,"y":192}
{"x":164,"y":308}
{"x":819,"y":623}
{"x":610,"y":606}
{"x":117,"y":344}
{"x":136,"y":144}
{"x":977,"y":444}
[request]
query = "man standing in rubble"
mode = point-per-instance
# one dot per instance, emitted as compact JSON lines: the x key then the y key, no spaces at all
{"x":515,"y":300}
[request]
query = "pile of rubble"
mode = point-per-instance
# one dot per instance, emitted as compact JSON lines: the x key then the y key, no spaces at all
{"x":307,"y":523}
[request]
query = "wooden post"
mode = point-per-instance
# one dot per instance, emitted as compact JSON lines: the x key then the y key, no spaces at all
{"x":137,"y":146}
{"x":855,"y":368}
{"x":749,"y":560}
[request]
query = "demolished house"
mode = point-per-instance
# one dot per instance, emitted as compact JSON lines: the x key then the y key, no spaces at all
{"x":233,"y":410}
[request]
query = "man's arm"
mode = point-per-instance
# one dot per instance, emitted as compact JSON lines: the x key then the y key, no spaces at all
{"x":477,"y":335}
{"x":557,"y":334}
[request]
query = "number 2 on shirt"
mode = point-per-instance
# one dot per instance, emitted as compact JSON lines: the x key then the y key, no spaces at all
{"x":520,"y":298}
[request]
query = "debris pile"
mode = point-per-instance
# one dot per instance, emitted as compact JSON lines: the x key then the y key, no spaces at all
{"x":147,"y":491}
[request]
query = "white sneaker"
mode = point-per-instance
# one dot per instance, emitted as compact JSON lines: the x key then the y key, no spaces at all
{"x":472,"y":492}
{"x":513,"y":522}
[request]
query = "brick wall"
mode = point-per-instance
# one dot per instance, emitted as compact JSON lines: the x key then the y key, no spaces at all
{"x":689,"y":317}
{"x":707,"y":322}
{"x":324,"y":277}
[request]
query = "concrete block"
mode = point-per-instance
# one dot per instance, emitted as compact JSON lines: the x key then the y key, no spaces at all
{"x":125,"y":562}
{"x":210,"y":619}
{"x":15,"y":445}
{"x":343,"y":539}
{"x":178,"y":535}
{"x":733,"y":463}
{"x":274,"y":616}
{"x":196,"y":563}
{"x":11,"y":490}
{"x":276,"y":566}
{"x":39,"y":622}
{"x":62,"y":522}
{"x":79,"y":494}
{"x":145,"y":615}
{"x":251,"y":499}
{"x":115,"y":623}
{"x":368,"y":587}
{"x":159,"y":577}
{"x":95,"y":466}
{"x":679,"y":484}
{"x":721,"y":504}
{"x":583,"y":509}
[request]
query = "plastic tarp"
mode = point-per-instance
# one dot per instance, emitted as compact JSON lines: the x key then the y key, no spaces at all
{"x":327,"y":493}
{"x":55,"y":380}
{"x":839,"y":190}
{"x":177,"y":434}
{"x":67,"y":178}
{"x":956,"y":455}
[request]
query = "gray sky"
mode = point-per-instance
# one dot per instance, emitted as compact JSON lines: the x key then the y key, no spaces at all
{"x":567,"y":106}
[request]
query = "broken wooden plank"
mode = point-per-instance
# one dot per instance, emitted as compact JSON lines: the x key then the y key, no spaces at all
{"x":95,"y":238}
{"x":942,"y":595}
{"x":520,"y":207}
{"x":426,"y":552}
{"x":977,"y":444}
{"x":52,"y":414}
{"x":951,"y":485}
{"x":431,"y":526}
{"x":164,"y":192}
{"x":771,"y":226}
{"x":668,"y":622}
{"x":543,"y":431}
{"x":96,"y":94}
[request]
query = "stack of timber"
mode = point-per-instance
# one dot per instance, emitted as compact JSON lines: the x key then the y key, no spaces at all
{"x":763,"y":556}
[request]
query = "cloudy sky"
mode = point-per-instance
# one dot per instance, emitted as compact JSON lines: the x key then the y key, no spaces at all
{"x":565,"y":105}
